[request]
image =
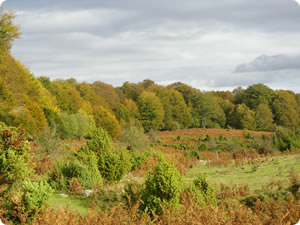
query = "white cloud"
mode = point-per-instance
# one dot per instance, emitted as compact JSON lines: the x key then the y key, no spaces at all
{"x":298,"y":1}
{"x":199,"y":43}
{"x":2,"y":1}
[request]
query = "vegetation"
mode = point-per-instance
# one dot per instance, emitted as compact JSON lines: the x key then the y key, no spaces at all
{"x":142,"y":153}
{"x":162,"y":186}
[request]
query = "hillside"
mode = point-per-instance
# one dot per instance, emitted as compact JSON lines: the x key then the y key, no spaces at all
{"x":143,"y":153}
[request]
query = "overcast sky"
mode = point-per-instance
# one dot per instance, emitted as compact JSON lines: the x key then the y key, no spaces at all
{"x":211,"y":45}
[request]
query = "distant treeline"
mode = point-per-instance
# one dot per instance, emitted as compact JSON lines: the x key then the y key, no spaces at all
{"x":73,"y":109}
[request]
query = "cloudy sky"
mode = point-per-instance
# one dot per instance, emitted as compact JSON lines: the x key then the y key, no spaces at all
{"x":211,"y":44}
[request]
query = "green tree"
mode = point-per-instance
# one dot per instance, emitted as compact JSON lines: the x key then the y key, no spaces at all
{"x":8,"y":31}
{"x":14,"y":157}
{"x":107,"y":120}
{"x":151,"y":111}
{"x":162,"y":187}
{"x":202,"y":191}
{"x":68,"y":97}
{"x":298,"y":99}
{"x":264,"y":118}
{"x":131,"y":90}
{"x":243,"y":118}
{"x":179,"y":109}
{"x":176,"y":111}
{"x":107,"y":92}
{"x":187,"y":92}
{"x":228,"y":108}
{"x":238,"y":94}
{"x":285,"y":109}
{"x":100,"y":141}
{"x":257,"y":94}
{"x":126,"y":111}
{"x":25,"y":201}
{"x":112,"y":164}
{"x":208,"y":112}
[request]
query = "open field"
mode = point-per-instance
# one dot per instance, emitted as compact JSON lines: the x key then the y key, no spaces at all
{"x":275,"y":169}
{"x":213,"y":132}
{"x":263,"y":172}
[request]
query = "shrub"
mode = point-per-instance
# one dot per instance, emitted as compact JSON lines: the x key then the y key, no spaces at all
{"x":192,"y":154}
{"x":84,"y":168}
{"x":137,"y":158}
{"x":77,"y":125}
{"x":100,"y":141}
{"x":114,"y":165}
{"x":132,"y":193}
{"x":25,"y":202}
{"x":49,"y":142}
{"x":286,"y":140}
{"x":107,"y":199}
{"x":266,"y":147}
{"x":163,"y":187}
{"x":134,"y":137}
{"x":201,"y":146}
{"x":203,"y":191}
{"x":14,"y":157}
{"x":103,"y":118}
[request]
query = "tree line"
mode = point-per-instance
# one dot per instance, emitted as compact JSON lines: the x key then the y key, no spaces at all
{"x":73,"y":109}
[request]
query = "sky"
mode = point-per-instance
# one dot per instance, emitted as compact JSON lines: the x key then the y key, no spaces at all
{"x":210,"y":45}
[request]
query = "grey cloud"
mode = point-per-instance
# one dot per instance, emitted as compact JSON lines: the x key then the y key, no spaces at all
{"x":265,"y":63}
{"x":266,"y":15}
{"x":196,"y":42}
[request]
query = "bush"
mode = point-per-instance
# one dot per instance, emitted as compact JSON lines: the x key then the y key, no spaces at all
{"x":202,"y":191}
{"x":100,"y":141}
{"x":84,"y":168}
{"x":25,"y":202}
{"x":192,"y":154}
{"x":266,"y":147}
{"x":286,"y":140}
{"x":137,"y":158}
{"x":78,"y":125}
{"x":163,"y":187}
{"x":134,"y":137}
{"x":14,"y":157}
{"x":114,"y":165}
{"x":50,"y":143}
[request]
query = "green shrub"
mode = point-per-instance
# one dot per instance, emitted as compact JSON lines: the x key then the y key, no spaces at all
{"x":203,"y":191}
{"x":113,"y":165}
{"x":78,"y":125}
{"x":100,"y":141}
{"x":24,"y":202}
{"x":134,"y":137}
{"x":84,"y":167}
{"x":207,"y":138}
{"x":192,"y":154}
{"x":132,"y":193}
{"x":137,"y":158}
{"x":162,"y":187}
{"x":107,"y":199}
{"x":201,"y":146}
{"x":266,"y":147}
{"x":50,"y":143}
{"x":14,"y":157}
{"x":286,"y":140}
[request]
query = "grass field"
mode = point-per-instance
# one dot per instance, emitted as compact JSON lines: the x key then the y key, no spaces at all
{"x":266,"y":170}
{"x":74,"y":202}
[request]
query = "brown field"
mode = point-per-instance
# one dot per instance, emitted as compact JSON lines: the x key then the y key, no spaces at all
{"x":224,"y":158}
{"x":197,"y":132}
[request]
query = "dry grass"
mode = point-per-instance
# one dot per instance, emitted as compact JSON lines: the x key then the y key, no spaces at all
{"x":228,"y":212}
